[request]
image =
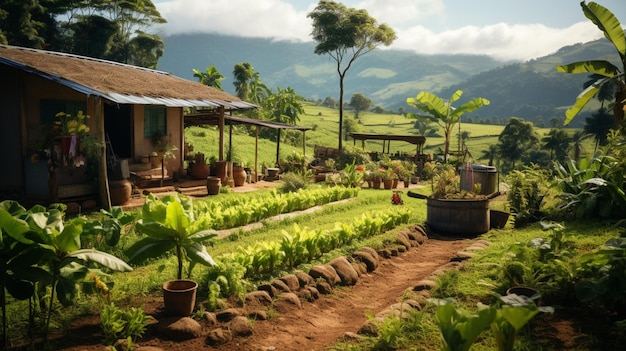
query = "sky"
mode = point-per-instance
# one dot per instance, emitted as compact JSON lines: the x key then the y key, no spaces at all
{"x":503,"y":29}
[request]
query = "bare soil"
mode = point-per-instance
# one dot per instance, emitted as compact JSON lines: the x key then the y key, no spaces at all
{"x":319,"y":324}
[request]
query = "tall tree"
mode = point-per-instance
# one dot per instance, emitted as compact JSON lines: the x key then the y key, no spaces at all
{"x":606,"y":21}
{"x":490,"y":154}
{"x":442,"y":112}
{"x":284,"y":106}
{"x":557,"y":141}
{"x":517,"y":138}
{"x":346,"y":34}
{"x":577,"y":143}
{"x":211,"y":76}
{"x":248,"y":85}
{"x":359,"y":103}
{"x":599,"y":125}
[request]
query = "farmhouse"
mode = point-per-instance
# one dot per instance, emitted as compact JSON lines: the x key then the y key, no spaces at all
{"x":58,"y":107}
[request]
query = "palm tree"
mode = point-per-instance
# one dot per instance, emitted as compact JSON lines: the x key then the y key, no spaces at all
{"x":577,"y":138}
{"x":442,"y":112}
{"x":557,"y":141}
{"x":599,"y":125}
{"x":211,"y":77}
{"x":516,"y":138}
{"x":490,"y":154}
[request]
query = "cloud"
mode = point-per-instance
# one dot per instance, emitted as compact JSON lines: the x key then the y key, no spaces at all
{"x":501,"y":41}
{"x":261,"y":19}
{"x":279,"y":19}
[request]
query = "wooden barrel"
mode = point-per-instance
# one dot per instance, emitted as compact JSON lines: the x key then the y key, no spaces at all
{"x":458,"y":217}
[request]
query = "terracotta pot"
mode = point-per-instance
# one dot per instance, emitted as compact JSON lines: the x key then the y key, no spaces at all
{"x":179,"y":297}
{"x":120,"y":191}
{"x":221,"y":168}
{"x":213,"y":185}
{"x":376,"y":184}
{"x":200,"y":171}
{"x":388,"y":184}
{"x":239,"y":176}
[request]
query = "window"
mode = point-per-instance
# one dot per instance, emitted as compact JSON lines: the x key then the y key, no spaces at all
{"x":154,"y":121}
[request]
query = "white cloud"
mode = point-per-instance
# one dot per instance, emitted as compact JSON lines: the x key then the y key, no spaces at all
{"x":501,"y":41}
{"x":250,"y":18}
{"x":412,"y":20}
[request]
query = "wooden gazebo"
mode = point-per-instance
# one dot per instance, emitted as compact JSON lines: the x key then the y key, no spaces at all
{"x":205,"y":118}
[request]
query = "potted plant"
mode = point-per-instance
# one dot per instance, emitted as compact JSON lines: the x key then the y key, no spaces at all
{"x":169,"y":225}
{"x":163,"y":150}
{"x":451,"y":210}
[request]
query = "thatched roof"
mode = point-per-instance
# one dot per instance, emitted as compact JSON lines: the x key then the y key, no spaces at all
{"x":117,"y":82}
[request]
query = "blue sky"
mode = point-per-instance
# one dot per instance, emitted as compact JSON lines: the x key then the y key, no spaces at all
{"x":503,"y":29}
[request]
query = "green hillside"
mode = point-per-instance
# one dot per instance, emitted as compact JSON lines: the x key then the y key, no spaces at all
{"x":531,"y":90}
{"x":324,"y":126}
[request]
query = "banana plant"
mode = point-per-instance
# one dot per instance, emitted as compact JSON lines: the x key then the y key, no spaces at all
{"x":168,"y":226}
{"x":459,"y":328}
{"x":515,"y":312}
{"x":606,"y":21}
{"x":442,"y":112}
{"x":59,"y":249}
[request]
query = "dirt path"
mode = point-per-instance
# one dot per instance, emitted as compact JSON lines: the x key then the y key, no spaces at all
{"x":318,"y":324}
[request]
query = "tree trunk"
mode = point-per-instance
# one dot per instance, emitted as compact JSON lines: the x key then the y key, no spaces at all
{"x":340,"y":109}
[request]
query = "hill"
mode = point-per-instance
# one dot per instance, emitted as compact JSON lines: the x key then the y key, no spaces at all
{"x":532,"y":90}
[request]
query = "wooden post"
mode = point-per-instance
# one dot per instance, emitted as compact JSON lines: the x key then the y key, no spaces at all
{"x":105,"y":193}
{"x":221,"y":130}
{"x":256,"y":156}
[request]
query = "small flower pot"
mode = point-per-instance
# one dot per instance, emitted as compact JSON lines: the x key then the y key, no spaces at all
{"x":179,"y":297}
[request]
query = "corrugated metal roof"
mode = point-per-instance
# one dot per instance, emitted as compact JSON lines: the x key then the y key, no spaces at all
{"x":117,"y":82}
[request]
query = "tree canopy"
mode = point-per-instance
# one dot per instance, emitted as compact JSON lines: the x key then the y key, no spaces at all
{"x":116,"y":30}
{"x":346,"y":34}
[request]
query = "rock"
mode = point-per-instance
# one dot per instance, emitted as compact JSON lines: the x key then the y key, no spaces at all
{"x":425,"y":284}
{"x":179,"y":329}
{"x":218,"y":336}
{"x":290,"y":298}
{"x":385,"y":253}
{"x":270,"y":289}
{"x":240,"y":326}
{"x":227,"y":314}
{"x":371,"y":262}
{"x":258,"y":315}
{"x":461,"y":256}
{"x":258,"y":298}
{"x":327,"y":272}
{"x":324,"y":288}
{"x":210,"y":318}
{"x":304,"y":279}
{"x":315,"y":294}
{"x":292,"y":281}
{"x":403,"y":239}
{"x":369,"y":328}
{"x":280,"y":286}
{"x":345,"y":271}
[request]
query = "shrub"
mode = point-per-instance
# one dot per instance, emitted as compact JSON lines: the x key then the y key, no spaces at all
{"x":293,"y":182}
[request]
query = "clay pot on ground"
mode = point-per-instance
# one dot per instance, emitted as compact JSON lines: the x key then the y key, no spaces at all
{"x":239,"y":176}
{"x":179,"y":297}
{"x":200,"y":171}
{"x":120,"y":191}
{"x":388,"y":183}
{"x":213,"y":185}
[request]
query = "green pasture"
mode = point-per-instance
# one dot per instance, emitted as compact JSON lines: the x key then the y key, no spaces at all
{"x":324,"y":124}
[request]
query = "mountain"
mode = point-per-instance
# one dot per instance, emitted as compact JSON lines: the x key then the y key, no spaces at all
{"x":532,"y":90}
{"x":382,"y":75}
